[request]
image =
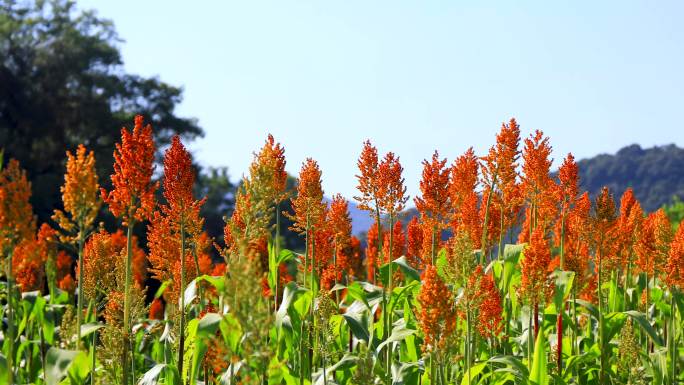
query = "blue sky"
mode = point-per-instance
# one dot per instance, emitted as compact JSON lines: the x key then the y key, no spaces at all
{"x":413,"y":77}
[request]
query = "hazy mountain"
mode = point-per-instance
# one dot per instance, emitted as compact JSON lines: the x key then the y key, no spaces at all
{"x":656,"y":174}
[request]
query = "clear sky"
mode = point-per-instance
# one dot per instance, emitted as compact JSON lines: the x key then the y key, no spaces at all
{"x":414,"y":77}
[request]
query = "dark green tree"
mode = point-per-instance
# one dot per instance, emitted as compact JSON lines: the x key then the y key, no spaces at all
{"x":62,"y":83}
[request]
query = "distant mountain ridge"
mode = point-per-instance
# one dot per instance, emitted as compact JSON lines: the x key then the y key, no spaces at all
{"x":656,"y":174}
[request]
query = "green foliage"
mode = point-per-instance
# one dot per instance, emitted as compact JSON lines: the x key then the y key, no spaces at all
{"x":675,"y":211}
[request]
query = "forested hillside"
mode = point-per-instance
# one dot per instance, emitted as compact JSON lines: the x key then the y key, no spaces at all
{"x":656,"y":174}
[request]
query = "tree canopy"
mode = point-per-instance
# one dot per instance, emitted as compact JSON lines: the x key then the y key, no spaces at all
{"x":62,"y":83}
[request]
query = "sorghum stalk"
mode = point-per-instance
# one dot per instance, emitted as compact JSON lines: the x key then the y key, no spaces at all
{"x":301,"y":334}
{"x":468,"y":351}
{"x":628,"y":277}
{"x":501,"y":235}
{"x":559,"y":321}
{"x":200,"y":290}
{"x":10,"y":320}
{"x":276,"y":246}
{"x":92,"y":352}
{"x":672,"y":337}
{"x":389,"y":300}
{"x":181,"y":345}
{"x":79,"y":308}
{"x":432,"y":245}
{"x":601,"y":336}
{"x":467,"y":341}
{"x":312,"y":341}
{"x":486,"y":220}
{"x":126,"y":361}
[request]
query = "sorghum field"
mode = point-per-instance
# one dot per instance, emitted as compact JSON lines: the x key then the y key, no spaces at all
{"x":509,"y":275}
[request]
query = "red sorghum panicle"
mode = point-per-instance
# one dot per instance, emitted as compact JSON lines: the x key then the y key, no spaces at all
{"x":674,"y":270}
{"x":16,"y":214}
{"x":464,"y":197}
{"x":433,"y":204}
{"x":132,"y":196}
{"x":414,"y":243}
{"x":437,"y":316}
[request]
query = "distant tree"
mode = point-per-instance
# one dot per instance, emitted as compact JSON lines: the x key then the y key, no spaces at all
{"x":656,"y":174}
{"x":62,"y":83}
{"x":215,"y":185}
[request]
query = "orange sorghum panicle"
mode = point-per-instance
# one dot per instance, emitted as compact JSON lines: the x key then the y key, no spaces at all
{"x":398,"y":243}
{"x":27,"y":265}
{"x":67,"y":284}
{"x":157,"y":309}
{"x":393,"y":191}
{"x":577,"y":231}
{"x":501,"y":162}
{"x":604,"y":231}
{"x":31,"y":257}
{"x":437,"y":316}
{"x":268,"y":170}
{"x":235,"y":229}
{"x":433,"y":204}
{"x":308,"y":205}
{"x":372,"y":252}
{"x":369,"y":179}
{"x":414,"y":243}
{"x":653,"y":243}
{"x":464,"y":197}
{"x":490,"y":320}
{"x":629,"y":223}
{"x":537,"y":184}
{"x":164,"y":248}
{"x":537,"y":257}
{"x":139,"y":268}
{"x":80,"y":194}
{"x":321,"y":245}
{"x":675,"y":262}
{"x":16,"y":214}
{"x":486,"y":300}
{"x":177,"y":220}
{"x":493,"y":214}
{"x":63,"y":265}
{"x":99,"y":264}
{"x":567,"y":192}
{"x":568,"y":183}
{"x":500,"y":176}
{"x":179,"y":180}
{"x":132,"y":196}
{"x":356,"y":266}
{"x":341,"y":227}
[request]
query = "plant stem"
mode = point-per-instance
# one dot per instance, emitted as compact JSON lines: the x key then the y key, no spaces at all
{"x":467,"y":344}
{"x":312,"y":342}
{"x":126,"y":360}
{"x":602,"y":373}
{"x":276,"y":245}
{"x":388,"y":365}
{"x":673,"y":339}
{"x":181,"y":345}
{"x":79,"y":307}
{"x":627,"y":282}
{"x":10,"y":321}
{"x":92,"y":353}
{"x":483,"y":242}
{"x":499,"y":252}
{"x":432,"y":246}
